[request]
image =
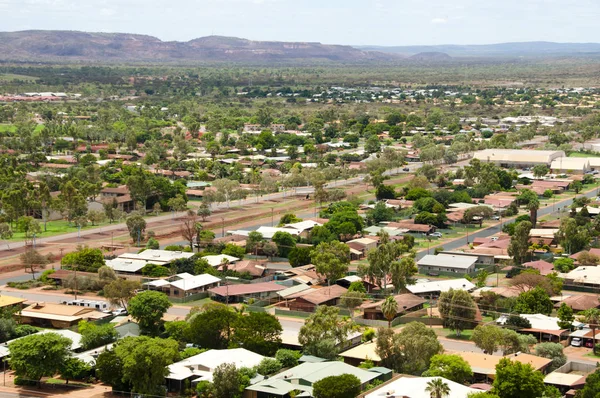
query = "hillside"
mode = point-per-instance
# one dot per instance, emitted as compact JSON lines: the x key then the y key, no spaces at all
{"x":117,"y":47}
{"x":537,"y":48}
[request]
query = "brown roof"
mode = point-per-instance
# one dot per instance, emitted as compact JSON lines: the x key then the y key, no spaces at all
{"x":407,"y":300}
{"x":544,"y":267}
{"x":550,"y":184}
{"x":581,"y":302}
{"x":246,"y":288}
{"x":322,"y":295}
{"x":57,"y":309}
{"x":251,"y":267}
{"x":593,"y":251}
{"x":549,"y":224}
{"x":122,"y":190}
{"x":486,"y":364}
{"x":410,"y":225}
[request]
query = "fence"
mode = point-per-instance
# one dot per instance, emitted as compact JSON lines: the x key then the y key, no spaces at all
{"x":305,"y":314}
{"x":191,"y":297}
{"x":375,"y":323}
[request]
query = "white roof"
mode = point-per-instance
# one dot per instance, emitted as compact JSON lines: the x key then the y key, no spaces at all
{"x":203,"y":364}
{"x":539,"y":321}
{"x":158,"y":283}
{"x":585,"y":274}
{"x":570,"y":164}
{"x":414,"y":387}
{"x":126,"y":264}
{"x":448,"y":261}
{"x":157,"y":256}
{"x":441,"y":286}
{"x":303,"y":225}
{"x":195,"y":282}
{"x":268,"y":232}
{"x":293,"y":290}
{"x":591,"y":210}
{"x":217,"y":260}
{"x":563,"y":379}
{"x":525,"y":156}
{"x":71,"y":335}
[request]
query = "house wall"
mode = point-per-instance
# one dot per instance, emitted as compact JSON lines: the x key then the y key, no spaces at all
{"x":423,"y":269}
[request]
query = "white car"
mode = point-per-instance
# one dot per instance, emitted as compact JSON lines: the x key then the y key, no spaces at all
{"x":119,"y":312}
{"x":576,"y":342}
{"x":436,"y":234}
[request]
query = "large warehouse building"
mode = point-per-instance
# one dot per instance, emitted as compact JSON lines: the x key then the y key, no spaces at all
{"x":518,"y":158}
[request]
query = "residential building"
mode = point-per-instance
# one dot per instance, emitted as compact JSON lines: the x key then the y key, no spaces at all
{"x":245,"y":291}
{"x":132,"y":263}
{"x":580,"y":302}
{"x":416,"y":387}
{"x":435,"y":288}
{"x":453,"y":263}
{"x":484,"y":365}
{"x":201,"y":367}
{"x":308,"y":300}
{"x":220,"y":259}
{"x":57,"y":316}
{"x":184,"y":284}
{"x":406,"y":303}
{"x":303,"y":377}
{"x":544,"y":267}
{"x":570,"y":376}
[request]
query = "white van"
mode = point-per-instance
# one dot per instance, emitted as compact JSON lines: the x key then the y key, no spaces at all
{"x":576,"y":341}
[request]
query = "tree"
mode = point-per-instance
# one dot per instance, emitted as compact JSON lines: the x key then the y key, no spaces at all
{"x":591,"y":387}
{"x":519,"y":242}
{"x":212,"y":327}
{"x":451,"y":367}
{"x":351,"y":300}
{"x":571,"y":237}
{"x":84,"y":259}
{"x":140,"y":187}
{"x":94,"y":335}
{"x":288,"y":218}
{"x":517,"y":380}
{"x":534,"y":301}
{"x":331,"y":259}
{"x":227,"y":381}
{"x":177,"y":203}
{"x":409,"y":351}
{"x":563,"y":264}
{"x":438,"y":388}
{"x":487,"y":338}
{"x":71,"y":202}
{"x":553,"y":351}
{"x":136,"y":225}
{"x":285,"y":242}
{"x":565,"y":317}
{"x":389,"y":308}
{"x":540,"y":170}
{"x":204,"y":211}
{"x":517,"y":322}
{"x":148,"y":308}
{"x":532,"y":203}
{"x":342,"y":386}
{"x":190,"y":228}
{"x":587,"y":258}
{"x":227,"y":190}
{"x":6,"y":233}
{"x":288,"y":358}
{"x":96,"y":216}
{"x":75,"y":369}
{"x":145,"y":361}
{"x":120,"y":291}
{"x":258,"y":332}
{"x":592,"y":318}
{"x":178,"y":331}
{"x":32,"y":260}
{"x":323,"y":331}
{"x":457,"y":309}
{"x":299,"y":256}
{"x":529,"y":279}
{"x":478,"y":213}
{"x":33,"y":357}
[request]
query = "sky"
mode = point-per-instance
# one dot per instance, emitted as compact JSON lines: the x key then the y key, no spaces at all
{"x":352,"y":22}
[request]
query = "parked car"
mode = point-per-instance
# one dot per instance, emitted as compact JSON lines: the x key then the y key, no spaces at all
{"x":119,"y":312}
{"x":495,"y":217}
{"x":589,"y":344}
{"x":436,"y":234}
{"x":576,"y":341}
{"x":406,"y":169}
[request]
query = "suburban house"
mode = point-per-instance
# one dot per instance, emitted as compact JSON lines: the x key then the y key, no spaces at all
{"x":132,"y":263}
{"x":245,"y":291}
{"x":435,"y":288}
{"x":200,"y":367}
{"x":580,"y":302}
{"x":250,"y":267}
{"x":406,"y":303}
{"x":412,"y":227}
{"x":454,"y":263}
{"x":308,"y":300}
{"x":416,"y":387}
{"x":484,"y":365}
{"x":365,"y":351}
{"x":303,"y":376}
{"x":184,"y":284}
{"x":360,"y":247}
{"x":544,"y":267}
{"x":543,"y":327}
{"x":58,"y":316}
{"x":220,"y":259}
{"x":571,"y":376}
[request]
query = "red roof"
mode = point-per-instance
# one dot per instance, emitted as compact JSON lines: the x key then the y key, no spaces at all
{"x":544,"y":267}
{"x":246,"y":288}
{"x":593,"y":251}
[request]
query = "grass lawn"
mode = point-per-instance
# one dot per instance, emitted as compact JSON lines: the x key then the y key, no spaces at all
{"x":451,"y":334}
{"x":55,"y":228}
{"x":197,"y":303}
{"x":60,"y":381}
{"x":591,"y":355}
{"x":9,"y":128}
{"x":582,"y":155}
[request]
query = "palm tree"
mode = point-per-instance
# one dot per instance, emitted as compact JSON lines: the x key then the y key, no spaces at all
{"x":389,"y":308}
{"x":592,"y":318}
{"x":437,"y":388}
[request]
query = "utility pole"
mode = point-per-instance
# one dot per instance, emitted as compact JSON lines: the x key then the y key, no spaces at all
{"x":222,"y":226}
{"x":271,"y":216}
{"x":75,"y":281}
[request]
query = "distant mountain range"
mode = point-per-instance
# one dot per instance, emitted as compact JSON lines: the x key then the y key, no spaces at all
{"x":73,"y":46}
{"x":523,"y":49}
{"x":120,"y":47}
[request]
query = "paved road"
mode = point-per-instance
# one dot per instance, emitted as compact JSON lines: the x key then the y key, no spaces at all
{"x":557,"y":208}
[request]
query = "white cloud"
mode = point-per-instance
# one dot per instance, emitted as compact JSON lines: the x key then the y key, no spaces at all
{"x":439,"y":20}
